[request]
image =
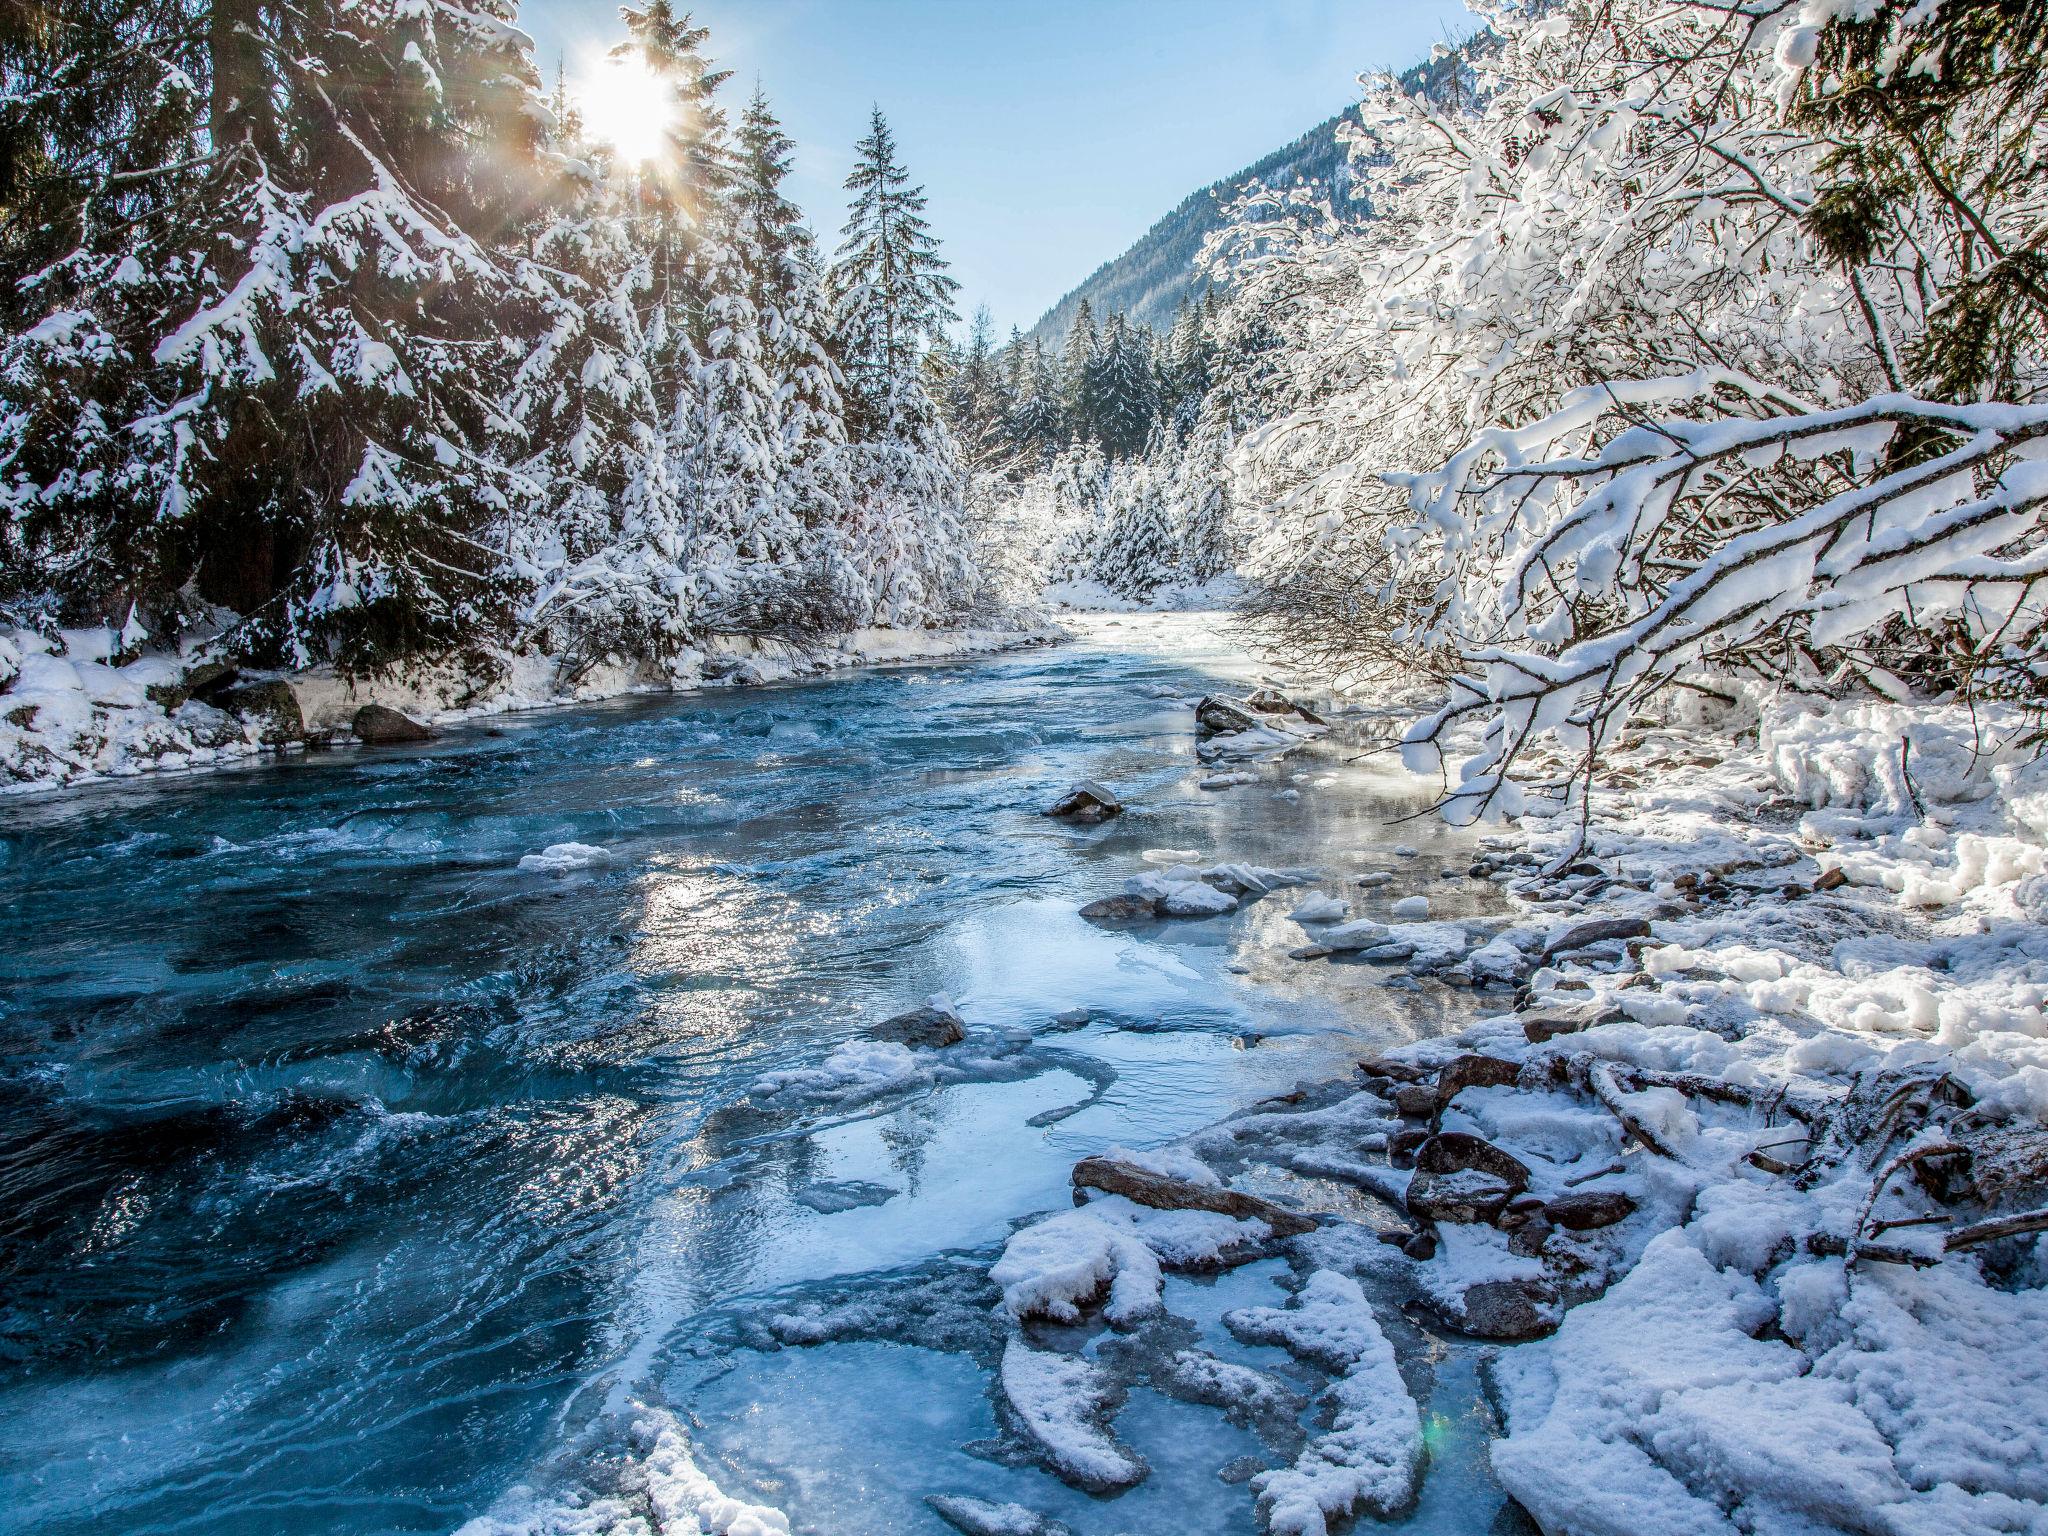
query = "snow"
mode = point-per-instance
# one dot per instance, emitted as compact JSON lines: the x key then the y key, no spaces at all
{"x":1370,"y":1459}
{"x":1321,"y":909}
{"x":74,"y":719}
{"x":1061,"y":1401}
{"x":858,"y":1069}
{"x":669,"y":1491}
{"x":565,"y":858}
{"x":1113,"y":1250}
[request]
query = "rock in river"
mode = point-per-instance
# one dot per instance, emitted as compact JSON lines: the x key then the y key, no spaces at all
{"x":1087,"y":802}
{"x":377,"y":726}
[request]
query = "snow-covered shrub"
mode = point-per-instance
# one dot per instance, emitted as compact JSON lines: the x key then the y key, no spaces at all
{"x":1605,"y":390}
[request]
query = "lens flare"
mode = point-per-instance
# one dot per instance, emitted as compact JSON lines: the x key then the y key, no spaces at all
{"x":625,"y":104}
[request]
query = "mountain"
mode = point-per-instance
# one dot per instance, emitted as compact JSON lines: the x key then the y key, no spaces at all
{"x":1148,"y":281}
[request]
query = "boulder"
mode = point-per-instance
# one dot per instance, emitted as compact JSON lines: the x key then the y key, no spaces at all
{"x":1165,"y":1193}
{"x":1416,"y":1101}
{"x":1586,"y":1210}
{"x":1508,"y":1310}
{"x":1087,"y":802}
{"x":1474,"y":1071}
{"x":1219,"y":716}
{"x":271,"y":707}
{"x":209,"y":680}
{"x":1463,"y":1180}
{"x":935,"y":1024}
{"x":378,"y":726}
{"x":1599,"y":931}
{"x":1541,"y":1024}
{"x":1126,"y":908}
{"x":1270,"y":701}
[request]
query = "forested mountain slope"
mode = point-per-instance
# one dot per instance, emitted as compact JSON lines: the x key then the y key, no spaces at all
{"x":1150,"y":279}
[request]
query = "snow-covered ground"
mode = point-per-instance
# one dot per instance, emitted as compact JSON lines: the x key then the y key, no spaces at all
{"x":71,"y":712}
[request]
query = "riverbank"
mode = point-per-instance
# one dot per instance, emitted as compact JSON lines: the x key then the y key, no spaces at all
{"x":73,"y":716}
{"x":1743,"y":1171}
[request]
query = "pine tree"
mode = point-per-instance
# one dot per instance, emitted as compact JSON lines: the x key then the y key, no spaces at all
{"x":1077,"y":365}
{"x":257,"y":349}
{"x":811,"y":469}
{"x":1037,"y":422}
{"x":891,"y":300}
{"x":890,"y":293}
{"x":1117,"y":390}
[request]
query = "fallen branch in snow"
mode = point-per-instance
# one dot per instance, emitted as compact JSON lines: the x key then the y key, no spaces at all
{"x":1164,"y":1193}
{"x":2000,"y":1226}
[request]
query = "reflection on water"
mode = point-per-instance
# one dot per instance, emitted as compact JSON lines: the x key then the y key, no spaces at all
{"x":341,"y":1160}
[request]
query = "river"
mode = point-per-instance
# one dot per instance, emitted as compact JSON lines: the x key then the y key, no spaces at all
{"x":353,"y":1176}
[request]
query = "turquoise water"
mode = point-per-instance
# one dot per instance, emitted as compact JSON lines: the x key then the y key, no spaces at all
{"x":351,"y":1175}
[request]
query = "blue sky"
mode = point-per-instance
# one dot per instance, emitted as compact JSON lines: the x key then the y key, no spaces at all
{"x":1049,"y":133}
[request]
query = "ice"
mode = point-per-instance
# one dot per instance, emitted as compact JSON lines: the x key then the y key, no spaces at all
{"x":1056,"y":1267}
{"x":857,"y":1069}
{"x":1321,"y":909}
{"x":1411,"y":909}
{"x":1063,"y":1402}
{"x":1371,"y":1457}
{"x":565,"y":858}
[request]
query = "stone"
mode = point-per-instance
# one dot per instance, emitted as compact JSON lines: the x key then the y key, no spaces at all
{"x":1586,"y":1210}
{"x":1474,"y":1071}
{"x":1541,"y":1024}
{"x":1507,"y":1310}
{"x":1165,"y":1193}
{"x":1468,"y":1197}
{"x":1219,"y":716}
{"x":1521,"y":1209}
{"x":1271,"y":701}
{"x":1125,"y":908}
{"x":1087,"y":802}
{"x":932,"y":1026}
{"x":271,"y":707}
{"x":1416,"y":1101}
{"x":1421,"y":1246}
{"x":1831,"y":880}
{"x":378,"y":726}
{"x":1463,"y":1180}
{"x":210,"y":679}
{"x":1600,"y":930}
{"x":1407,"y":1141}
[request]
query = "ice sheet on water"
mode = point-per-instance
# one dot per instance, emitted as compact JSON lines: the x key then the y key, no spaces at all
{"x":565,"y":858}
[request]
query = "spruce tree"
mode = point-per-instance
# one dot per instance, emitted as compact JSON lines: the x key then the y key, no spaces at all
{"x":890,"y":293}
{"x":811,"y":484}
{"x":1118,"y":392}
{"x":1077,"y":366}
{"x":891,"y":300}
{"x":261,"y":316}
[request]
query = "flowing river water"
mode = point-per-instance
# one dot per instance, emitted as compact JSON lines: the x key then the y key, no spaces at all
{"x":354,"y":1178}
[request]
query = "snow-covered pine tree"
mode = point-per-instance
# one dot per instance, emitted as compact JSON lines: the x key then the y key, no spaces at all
{"x":891,"y":300}
{"x":811,"y":481}
{"x":1139,"y":549}
{"x":1076,"y":368}
{"x":639,"y":594}
{"x":1118,"y":390}
{"x":253,"y":348}
{"x":977,"y":405}
{"x":1037,"y":418}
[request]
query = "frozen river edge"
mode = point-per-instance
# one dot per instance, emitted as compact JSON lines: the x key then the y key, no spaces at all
{"x":77,"y":715}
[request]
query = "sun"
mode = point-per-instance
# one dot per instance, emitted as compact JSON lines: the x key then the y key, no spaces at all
{"x":624,"y":104}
